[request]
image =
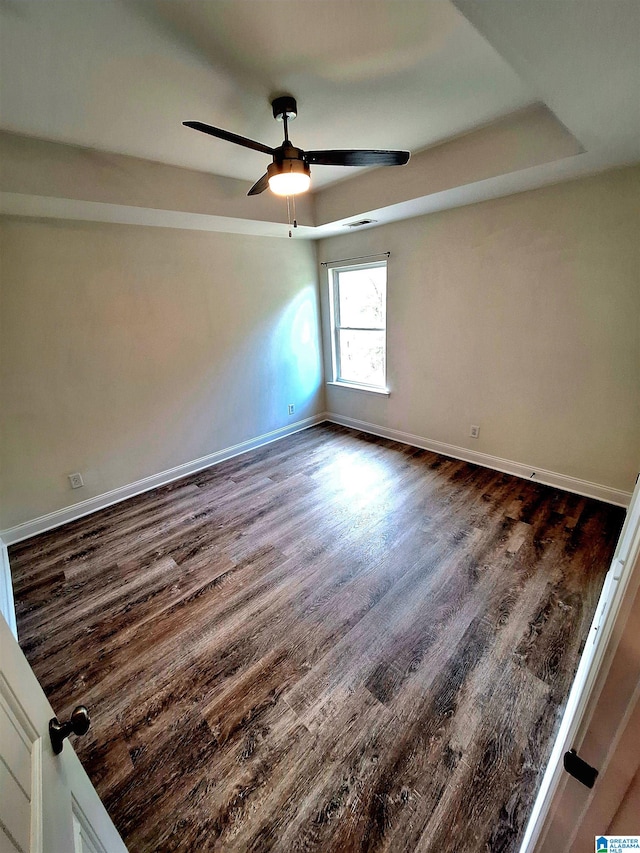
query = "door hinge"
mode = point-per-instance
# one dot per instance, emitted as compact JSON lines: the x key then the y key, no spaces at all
{"x":579,"y":769}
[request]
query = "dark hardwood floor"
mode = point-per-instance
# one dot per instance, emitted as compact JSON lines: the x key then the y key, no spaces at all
{"x":334,"y":643}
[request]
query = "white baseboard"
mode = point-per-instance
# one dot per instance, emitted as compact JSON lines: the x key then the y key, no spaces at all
{"x":6,"y":590}
{"x":70,"y":513}
{"x":63,"y":516}
{"x":507,"y":466}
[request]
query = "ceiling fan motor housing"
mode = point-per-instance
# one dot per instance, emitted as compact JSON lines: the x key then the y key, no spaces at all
{"x":287,"y":151}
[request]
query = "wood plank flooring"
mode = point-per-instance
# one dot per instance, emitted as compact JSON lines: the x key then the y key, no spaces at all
{"x":334,"y":643}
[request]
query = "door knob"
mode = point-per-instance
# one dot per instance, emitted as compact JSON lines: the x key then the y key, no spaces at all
{"x":78,"y":724}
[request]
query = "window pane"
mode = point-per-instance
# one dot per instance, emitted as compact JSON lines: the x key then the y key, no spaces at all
{"x":362,"y":357}
{"x":362,"y":296}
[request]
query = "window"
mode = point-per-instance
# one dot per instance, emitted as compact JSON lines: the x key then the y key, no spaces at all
{"x":359,"y":325}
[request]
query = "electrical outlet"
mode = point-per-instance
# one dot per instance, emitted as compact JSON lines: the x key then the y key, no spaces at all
{"x":475,"y":431}
{"x":292,"y":408}
{"x":76,"y":481}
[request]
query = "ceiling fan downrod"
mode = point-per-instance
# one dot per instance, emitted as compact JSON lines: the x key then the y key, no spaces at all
{"x":285,"y":109}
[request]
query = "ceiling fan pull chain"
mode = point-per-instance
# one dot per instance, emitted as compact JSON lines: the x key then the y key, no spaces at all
{"x":295,"y":221}
{"x":289,"y":214}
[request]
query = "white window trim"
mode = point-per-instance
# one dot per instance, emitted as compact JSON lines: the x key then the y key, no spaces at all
{"x":371,"y":389}
{"x":333,"y":273}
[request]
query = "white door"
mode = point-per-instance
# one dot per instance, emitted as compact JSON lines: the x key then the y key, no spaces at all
{"x":47,"y":803}
{"x":615,"y":600}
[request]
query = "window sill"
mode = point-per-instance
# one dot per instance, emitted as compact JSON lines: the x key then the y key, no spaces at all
{"x":384,"y":391}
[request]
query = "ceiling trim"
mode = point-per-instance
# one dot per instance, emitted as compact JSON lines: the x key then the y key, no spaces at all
{"x":571,"y":168}
{"x":47,"y":207}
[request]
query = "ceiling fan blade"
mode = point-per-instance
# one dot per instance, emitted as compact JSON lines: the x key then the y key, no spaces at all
{"x":260,"y":185}
{"x":228,"y":136}
{"x":357,"y":158}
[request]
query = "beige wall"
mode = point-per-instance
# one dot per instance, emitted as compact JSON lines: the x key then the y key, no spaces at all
{"x":521,"y":315}
{"x":128,"y":350}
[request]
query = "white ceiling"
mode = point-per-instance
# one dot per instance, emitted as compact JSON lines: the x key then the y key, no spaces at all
{"x":121,"y":76}
{"x":582,"y":57}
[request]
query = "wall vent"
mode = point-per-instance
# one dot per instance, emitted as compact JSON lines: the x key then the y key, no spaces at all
{"x":360,"y":223}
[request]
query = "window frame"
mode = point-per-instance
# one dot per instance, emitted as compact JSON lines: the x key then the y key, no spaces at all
{"x":336,"y":328}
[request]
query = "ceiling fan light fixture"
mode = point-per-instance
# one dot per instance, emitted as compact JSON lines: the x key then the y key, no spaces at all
{"x":290,"y":177}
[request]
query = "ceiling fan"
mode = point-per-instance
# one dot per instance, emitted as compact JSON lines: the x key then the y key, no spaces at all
{"x":289,"y":173}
